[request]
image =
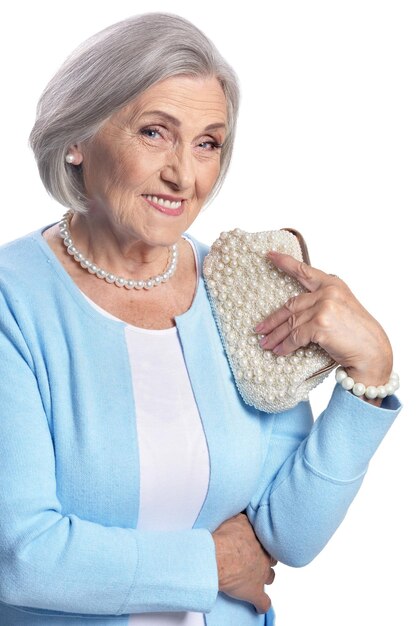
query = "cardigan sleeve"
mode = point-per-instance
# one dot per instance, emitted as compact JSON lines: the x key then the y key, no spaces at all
{"x":299,"y":505}
{"x":63,"y":563}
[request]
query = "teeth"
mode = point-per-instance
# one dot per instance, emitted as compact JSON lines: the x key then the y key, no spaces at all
{"x":165,"y":203}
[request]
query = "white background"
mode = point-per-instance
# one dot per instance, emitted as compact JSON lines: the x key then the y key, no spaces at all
{"x":327,"y":144}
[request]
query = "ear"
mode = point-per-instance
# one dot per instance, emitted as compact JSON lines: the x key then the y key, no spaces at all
{"x":75,"y":152}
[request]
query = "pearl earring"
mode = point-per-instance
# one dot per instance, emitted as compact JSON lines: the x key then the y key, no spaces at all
{"x":69,"y":158}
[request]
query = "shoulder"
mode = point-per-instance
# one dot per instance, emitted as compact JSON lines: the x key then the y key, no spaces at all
{"x":16,"y":253}
{"x":25,"y":266}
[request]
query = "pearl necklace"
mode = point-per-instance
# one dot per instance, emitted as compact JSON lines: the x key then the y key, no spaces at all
{"x":119,"y":281}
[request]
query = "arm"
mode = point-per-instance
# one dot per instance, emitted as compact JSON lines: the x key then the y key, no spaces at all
{"x":62,"y":562}
{"x":304,"y":502}
{"x":309,"y":495}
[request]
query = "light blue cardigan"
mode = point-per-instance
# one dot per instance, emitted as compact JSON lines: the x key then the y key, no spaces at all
{"x":70,"y":553}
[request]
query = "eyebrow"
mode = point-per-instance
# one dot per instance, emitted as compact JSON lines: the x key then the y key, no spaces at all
{"x":177,"y":122}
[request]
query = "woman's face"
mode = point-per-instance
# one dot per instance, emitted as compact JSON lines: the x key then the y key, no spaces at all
{"x":160,"y":147}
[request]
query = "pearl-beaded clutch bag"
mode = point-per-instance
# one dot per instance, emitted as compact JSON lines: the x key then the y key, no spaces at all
{"x":244,"y":287}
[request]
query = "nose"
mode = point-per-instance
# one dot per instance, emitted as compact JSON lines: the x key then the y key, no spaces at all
{"x":179,"y":168}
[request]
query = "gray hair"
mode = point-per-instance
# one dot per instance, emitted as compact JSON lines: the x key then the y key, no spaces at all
{"x":104,"y":74}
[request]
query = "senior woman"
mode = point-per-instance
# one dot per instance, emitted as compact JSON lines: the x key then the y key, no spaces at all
{"x":136,"y":486}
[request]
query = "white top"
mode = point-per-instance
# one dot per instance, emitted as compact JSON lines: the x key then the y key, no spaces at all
{"x":173,"y":454}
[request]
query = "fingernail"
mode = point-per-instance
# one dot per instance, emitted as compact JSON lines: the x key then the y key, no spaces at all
{"x":259,"y":327}
{"x":278,"y":349}
{"x":263,"y":341}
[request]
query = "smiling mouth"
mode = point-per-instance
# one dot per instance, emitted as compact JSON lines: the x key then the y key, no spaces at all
{"x":168,"y":204}
{"x":169,"y":207}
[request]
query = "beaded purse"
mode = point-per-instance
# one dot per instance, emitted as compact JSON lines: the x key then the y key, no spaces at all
{"x":243,"y":288}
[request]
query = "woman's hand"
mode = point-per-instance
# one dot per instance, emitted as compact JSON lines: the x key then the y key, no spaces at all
{"x":332,"y":317}
{"x":244,"y":567}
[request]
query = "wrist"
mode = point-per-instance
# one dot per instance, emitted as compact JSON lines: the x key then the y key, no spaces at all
{"x":218,"y":550}
{"x":370,"y":376}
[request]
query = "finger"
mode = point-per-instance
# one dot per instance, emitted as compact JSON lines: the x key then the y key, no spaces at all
{"x":294,"y":305}
{"x":264,"y":603}
{"x":310,"y":277}
{"x":299,"y":337}
{"x":293,"y":324}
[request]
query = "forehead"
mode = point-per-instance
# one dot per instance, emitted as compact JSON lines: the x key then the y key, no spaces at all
{"x":184,"y":97}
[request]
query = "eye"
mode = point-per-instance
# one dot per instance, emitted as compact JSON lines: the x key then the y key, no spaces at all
{"x":150,"y":132}
{"x":210,"y":145}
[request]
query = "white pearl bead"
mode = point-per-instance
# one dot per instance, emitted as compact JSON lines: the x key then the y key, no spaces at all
{"x":130,"y":284}
{"x":389,"y":388}
{"x":371,"y":392}
{"x":395,"y":383}
{"x":358,"y":389}
{"x":110,"y":278}
{"x":347,"y":383}
{"x":120,"y":282}
{"x":382,"y":393}
{"x":340,"y":374}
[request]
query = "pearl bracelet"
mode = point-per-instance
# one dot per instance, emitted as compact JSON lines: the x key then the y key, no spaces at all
{"x":371,"y":392}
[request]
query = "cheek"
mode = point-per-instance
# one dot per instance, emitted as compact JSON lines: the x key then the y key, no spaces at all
{"x":208,"y":176}
{"x":136,"y":167}
{"x":102,"y":170}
